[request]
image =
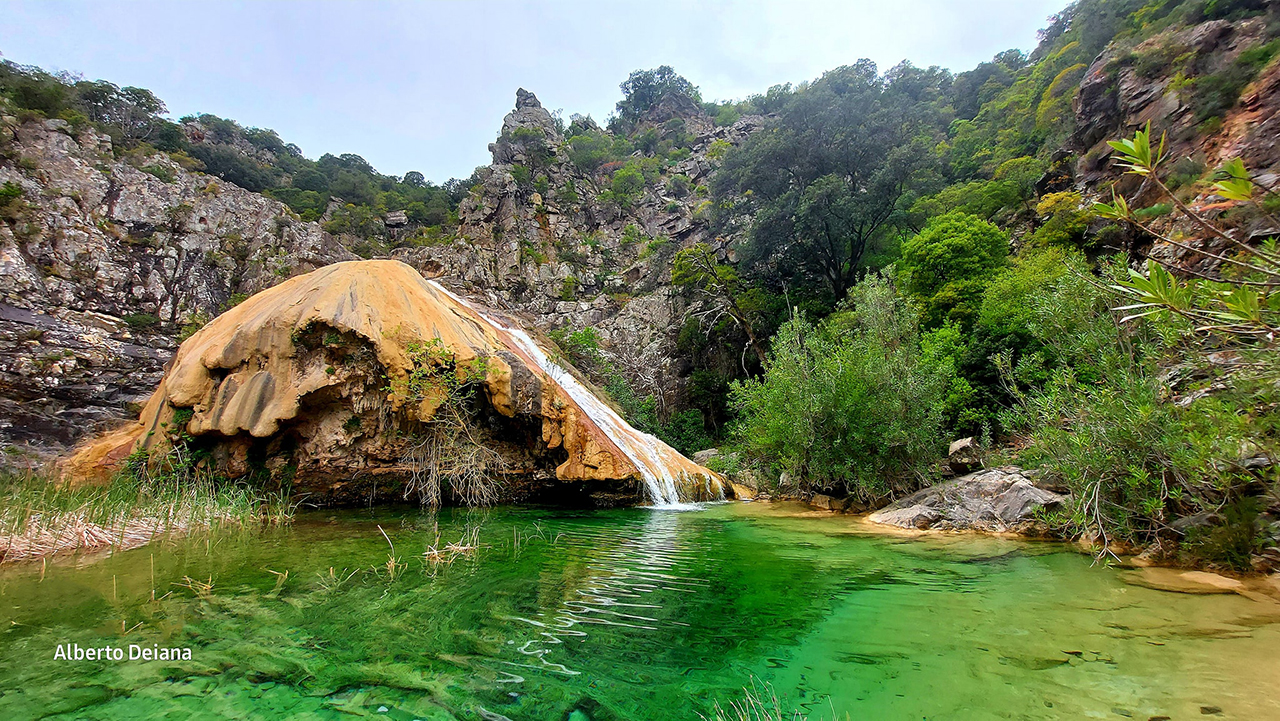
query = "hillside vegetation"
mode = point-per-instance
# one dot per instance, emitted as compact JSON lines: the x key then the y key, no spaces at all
{"x":876,"y":262}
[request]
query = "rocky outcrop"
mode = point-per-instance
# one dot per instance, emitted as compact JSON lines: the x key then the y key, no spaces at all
{"x":571,"y":260}
{"x":1171,"y":81}
{"x":108,"y":260}
{"x":365,"y":370}
{"x":1002,"y":500}
{"x":103,"y":264}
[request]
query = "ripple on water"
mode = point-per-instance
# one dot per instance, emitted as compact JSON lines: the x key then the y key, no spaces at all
{"x":629,"y":614}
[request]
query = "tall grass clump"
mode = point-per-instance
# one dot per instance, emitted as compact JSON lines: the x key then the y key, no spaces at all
{"x":41,"y":514}
{"x":758,"y":703}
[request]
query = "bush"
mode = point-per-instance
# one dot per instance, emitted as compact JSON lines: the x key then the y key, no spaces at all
{"x":1214,"y":94}
{"x":142,"y":321}
{"x":162,"y":172}
{"x":949,"y":263}
{"x":1104,"y":426}
{"x":852,"y":404}
{"x":686,"y":432}
{"x":679,"y":185}
{"x":1066,"y":220}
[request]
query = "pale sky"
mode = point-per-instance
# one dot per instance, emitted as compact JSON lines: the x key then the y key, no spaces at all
{"x":424,"y":85}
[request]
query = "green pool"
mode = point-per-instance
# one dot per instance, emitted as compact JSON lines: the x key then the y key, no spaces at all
{"x":628,"y":614}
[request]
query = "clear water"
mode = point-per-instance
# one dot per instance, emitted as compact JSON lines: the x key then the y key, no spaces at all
{"x":628,"y":614}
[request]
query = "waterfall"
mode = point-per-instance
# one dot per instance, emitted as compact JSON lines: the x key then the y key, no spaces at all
{"x":653,"y":458}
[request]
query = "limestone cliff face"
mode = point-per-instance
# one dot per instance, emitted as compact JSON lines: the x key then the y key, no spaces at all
{"x":335,"y":378}
{"x":102,"y":264}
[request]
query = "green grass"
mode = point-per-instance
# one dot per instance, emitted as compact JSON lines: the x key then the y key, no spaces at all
{"x":41,"y":515}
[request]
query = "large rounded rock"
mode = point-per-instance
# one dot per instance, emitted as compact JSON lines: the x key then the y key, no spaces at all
{"x":1000,"y":500}
{"x":313,"y":377}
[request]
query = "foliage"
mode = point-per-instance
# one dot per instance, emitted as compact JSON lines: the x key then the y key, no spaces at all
{"x":581,"y":346}
{"x":1103,"y":423}
{"x":1066,"y":218}
{"x":1212,"y":95}
{"x":850,"y":404}
{"x":824,"y":181}
{"x":153,"y":494}
{"x":439,"y":392}
{"x":698,"y":267}
{"x":644,"y":89}
{"x":1240,"y":302}
{"x":142,"y":321}
{"x":949,"y":263}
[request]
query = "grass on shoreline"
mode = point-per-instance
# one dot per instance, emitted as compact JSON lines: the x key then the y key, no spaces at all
{"x":42,"y":515}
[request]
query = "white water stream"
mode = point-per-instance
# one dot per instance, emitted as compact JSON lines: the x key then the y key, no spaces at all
{"x":651,"y":456}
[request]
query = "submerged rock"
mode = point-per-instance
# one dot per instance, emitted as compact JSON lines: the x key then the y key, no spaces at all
{"x":999,"y":501}
{"x":340,"y":375}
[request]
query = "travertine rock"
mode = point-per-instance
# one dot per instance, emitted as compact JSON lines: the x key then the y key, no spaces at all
{"x":313,"y":372}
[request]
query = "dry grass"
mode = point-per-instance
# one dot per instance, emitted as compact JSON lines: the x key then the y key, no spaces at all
{"x":450,"y":453}
{"x":758,"y":703}
{"x":41,"y":516}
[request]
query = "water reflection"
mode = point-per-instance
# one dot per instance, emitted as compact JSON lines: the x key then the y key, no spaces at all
{"x":629,"y":578}
{"x":627,"y":614}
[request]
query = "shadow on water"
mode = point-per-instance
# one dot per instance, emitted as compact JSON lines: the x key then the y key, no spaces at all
{"x":624,"y":614}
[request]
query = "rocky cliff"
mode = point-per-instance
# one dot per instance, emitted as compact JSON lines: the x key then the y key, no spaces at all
{"x":106,"y":263}
{"x":1184,"y":82}
{"x":553,"y":247}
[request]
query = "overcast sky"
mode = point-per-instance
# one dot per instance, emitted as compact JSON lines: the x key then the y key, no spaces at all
{"x":424,"y":85}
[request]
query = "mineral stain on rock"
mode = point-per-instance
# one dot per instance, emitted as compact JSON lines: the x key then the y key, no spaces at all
{"x":307,"y":378}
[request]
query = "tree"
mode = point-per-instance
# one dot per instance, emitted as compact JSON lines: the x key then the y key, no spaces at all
{"x":852,"y":404}
{"x":644,"y":89}
{"x":824,"y":181}
{"x":415,"y":179}
{"x":949,"y":263}
{"x":697,"y":267}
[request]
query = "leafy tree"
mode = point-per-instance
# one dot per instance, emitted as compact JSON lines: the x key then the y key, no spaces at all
{"x":824,"y":181}
{"x":234,"y":167}
{"x":698,"y":267}
{"x":644,"y":89}
{"x":949,"y":263}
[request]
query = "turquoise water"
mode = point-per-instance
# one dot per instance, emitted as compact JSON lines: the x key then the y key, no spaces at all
{"x":626,"y":614}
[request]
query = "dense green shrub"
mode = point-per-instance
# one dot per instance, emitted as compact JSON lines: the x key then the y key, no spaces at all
{"x":1104,"y":424}
{"x":1066,"y":218}
{"x":644,"y":89}
{"x":949,"y":263}
{"x":852,"y":404}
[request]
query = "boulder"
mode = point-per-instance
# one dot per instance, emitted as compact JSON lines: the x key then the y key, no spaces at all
{"x":963,"y":456}
{"x":703,"y":457}
{"x":1000,"y":500}
{"x":829,"y":503}
{"x":914,"y":516}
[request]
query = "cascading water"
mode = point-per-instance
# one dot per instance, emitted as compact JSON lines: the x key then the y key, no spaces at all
{"x":651,"y":457}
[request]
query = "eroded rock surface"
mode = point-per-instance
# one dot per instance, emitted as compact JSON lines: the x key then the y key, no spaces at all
{"x":313,"y":378}
{"x":105,"y":264}
{"x":1000,"y":500}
